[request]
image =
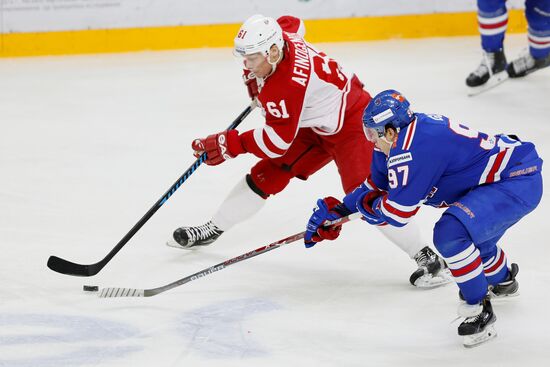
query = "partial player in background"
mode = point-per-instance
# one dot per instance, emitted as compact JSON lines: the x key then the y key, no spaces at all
{"x":313,"y":115}
{"x":493,"y":20}
{"x":488,"y":183}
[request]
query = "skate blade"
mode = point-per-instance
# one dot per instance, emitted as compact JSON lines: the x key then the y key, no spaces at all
{"x":428,"y":281}
{"x":471,"y":341}
{"x":494,"y":297}
{"x":493,"y":81}
{"x":174,"y":244}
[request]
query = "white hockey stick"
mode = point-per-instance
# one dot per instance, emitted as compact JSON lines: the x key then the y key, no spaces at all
{"x":112,"y":292}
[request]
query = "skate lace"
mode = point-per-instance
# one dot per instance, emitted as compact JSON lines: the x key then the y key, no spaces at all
{"x":473,"y":319}
{"x":424,"y":257}
{"x":524,"y":62}
{"x":484,"y":67}
{"x":202,"y":232}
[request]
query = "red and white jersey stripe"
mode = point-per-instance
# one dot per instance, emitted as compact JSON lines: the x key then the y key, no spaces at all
{"x":399,"y":213}
{"x":492,"y":26}
{"x":407,"y":142}
{"x":497,"y":162}
{"x":465,"y":265}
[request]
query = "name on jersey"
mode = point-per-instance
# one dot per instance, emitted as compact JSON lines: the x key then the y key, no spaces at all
{"x":302,"y":65}
{"x":405,"y":157}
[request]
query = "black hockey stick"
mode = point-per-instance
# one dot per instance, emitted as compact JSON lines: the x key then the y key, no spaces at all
{"x":112,"y":292}
{"x":67,"y":267}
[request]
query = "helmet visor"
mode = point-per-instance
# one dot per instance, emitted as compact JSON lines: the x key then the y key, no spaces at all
{"x":373,"y":134}
{"x":252,"y":61}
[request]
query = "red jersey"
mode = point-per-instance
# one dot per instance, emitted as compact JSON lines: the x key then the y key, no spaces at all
{"x":307,"y":90}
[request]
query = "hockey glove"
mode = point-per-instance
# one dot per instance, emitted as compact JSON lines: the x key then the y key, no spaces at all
{"x":328,"y":209}
{"x":218,"y":147}
{"x":251,"y":84}
{"x":365,"y":204}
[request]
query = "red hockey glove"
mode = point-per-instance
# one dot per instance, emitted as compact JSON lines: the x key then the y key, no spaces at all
{"x":218,"y":147}
{"x":365,"y":204}
{"x":251,"y":84}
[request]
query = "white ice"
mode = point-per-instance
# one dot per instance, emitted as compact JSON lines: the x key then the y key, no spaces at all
{"x":89,"y":143}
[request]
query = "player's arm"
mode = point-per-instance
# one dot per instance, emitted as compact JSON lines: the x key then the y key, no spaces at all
{"x":408,"y":186}
{"x":283,"y":108}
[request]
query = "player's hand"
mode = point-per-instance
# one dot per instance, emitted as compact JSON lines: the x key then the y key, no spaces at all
{"x":367,"y":203}
{"x":328,"y":209}
{"x":251,"y":84}
{"x":218,"y":147}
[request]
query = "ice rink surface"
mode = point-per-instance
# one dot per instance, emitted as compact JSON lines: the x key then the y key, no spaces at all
{"x":89,"y":143}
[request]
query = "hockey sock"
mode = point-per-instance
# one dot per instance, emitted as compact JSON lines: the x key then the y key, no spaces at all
{"x":453,"y":242}
{"x":241,"y":204}
{"x":407,"y":238}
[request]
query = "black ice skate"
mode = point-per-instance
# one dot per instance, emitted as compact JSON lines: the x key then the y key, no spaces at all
{"x":188,"y":237}
{"x":477,"y":328}
{"x":432,"y":270}
{"x":489,"y":73}
{"x":508,"y":288}
{"x":526,"y":64}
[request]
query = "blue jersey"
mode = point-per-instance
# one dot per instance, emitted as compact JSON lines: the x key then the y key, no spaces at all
{"x":436,"y":161}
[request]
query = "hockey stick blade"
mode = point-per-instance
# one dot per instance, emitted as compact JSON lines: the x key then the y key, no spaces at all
{"x":63,"y":266}
{"x":66,"y":267}
{"x":112,"y":292}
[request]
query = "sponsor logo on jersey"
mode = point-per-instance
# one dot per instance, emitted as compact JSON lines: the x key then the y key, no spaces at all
{"x":398,"y":159}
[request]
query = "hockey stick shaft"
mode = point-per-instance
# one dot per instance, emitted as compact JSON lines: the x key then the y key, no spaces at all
{"x":63,"y":266}
{"x":112,"y":292}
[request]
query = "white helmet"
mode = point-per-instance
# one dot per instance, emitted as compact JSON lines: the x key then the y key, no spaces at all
{"x":258,"y":34}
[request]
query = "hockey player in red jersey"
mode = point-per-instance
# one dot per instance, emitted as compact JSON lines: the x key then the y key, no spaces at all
{"x":313,"y":110}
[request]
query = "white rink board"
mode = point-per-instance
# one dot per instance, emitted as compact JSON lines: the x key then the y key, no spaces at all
{"x":61,"y":15}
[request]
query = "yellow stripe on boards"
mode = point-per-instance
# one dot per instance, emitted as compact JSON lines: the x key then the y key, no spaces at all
{"x":221,"y":35}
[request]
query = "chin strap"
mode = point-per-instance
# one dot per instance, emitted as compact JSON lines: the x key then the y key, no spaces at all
{"x":274,"y":64}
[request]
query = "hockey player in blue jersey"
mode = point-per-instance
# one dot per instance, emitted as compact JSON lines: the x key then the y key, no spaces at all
{"x":487,"y":183}
{"x":492,"y":18}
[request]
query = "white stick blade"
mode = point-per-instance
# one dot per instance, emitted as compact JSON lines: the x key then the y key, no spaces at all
{"x":113,"y":292}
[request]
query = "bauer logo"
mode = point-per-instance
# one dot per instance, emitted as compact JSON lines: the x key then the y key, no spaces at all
{"x":398,"y":159}
{"x":382,"y":116}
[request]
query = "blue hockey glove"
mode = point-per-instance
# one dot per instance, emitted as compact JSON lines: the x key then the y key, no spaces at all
{"x":328,"y":209}
{"x":365,"y":204}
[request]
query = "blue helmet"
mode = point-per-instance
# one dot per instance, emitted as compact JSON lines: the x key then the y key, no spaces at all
{"x":387,"y":107}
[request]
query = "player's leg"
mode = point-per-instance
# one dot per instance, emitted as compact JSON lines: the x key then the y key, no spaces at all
{"x":467,"y":235}
{"x":500,"y":275}
{"x":456,"y":246}
{"x":537,"y":13}
{"x":353,"y":155}
{"x":267,"y":178}
{"x":492,"y":18}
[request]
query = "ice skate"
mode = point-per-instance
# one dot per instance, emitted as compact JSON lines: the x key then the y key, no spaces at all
{"x":478,"y":326}
{"x":432,"y":270}
{"x":490,"y":73}
{"x":508,"y":288}
{"x":189,"y":237}
{"x":526,"y":64}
